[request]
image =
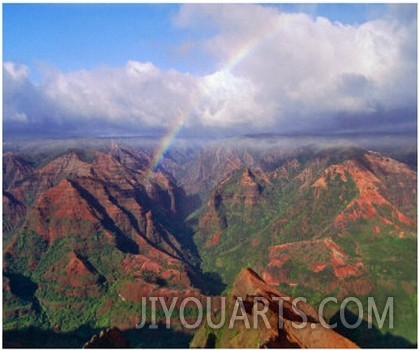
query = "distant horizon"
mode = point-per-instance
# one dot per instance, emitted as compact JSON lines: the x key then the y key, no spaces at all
{"x":156,"y":136}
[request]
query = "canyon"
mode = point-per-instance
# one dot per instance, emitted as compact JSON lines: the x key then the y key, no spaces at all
{"x":91,"y":226}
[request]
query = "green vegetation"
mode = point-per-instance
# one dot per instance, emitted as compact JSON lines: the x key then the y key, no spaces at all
{"x":290,"y":209}
{"x":50,"y":300}
{"x":29,"y":248}
{"x":73,"y":285}
{"x":282,"y":214}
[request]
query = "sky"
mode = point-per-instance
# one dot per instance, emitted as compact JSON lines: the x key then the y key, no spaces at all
{"x":208,"y":69}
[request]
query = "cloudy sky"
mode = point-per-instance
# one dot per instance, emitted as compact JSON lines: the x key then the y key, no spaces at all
{"x":208,"y":69}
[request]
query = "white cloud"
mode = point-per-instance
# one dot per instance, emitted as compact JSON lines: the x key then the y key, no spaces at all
{"x":313,"y":66}
{"x":273,"y":68}
{"x":228,"y":101}
{"x":136,"y":95}
{"x":16,"y":72}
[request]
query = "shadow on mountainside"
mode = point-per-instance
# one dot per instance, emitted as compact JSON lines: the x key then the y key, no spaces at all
{"x":367,"y":337}
{"x":158,"y":338}
{"x":207,"y":282}
{"x":124,"y":243}
{"x":33,"y":337}
{"x":21,"y":286}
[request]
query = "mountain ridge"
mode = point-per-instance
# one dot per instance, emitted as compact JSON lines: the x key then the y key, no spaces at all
{"x":316,"y":221}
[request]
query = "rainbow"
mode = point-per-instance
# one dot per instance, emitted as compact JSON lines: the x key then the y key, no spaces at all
{"x":164,"y":145}
{"x":240,"y":54}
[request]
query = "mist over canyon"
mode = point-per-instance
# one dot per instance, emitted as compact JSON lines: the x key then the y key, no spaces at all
{"x":92,"y":225}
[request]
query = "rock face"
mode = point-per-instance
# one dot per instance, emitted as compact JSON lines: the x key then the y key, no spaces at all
{"x":110,"y":338}
{"x":281,"y":329}
{"x":325,"y":222}
{"x":250,"y":189}
{"x":104,"y":196}
{"x":88,"y":231}
{"x":329,"y":266}
{"x":79,"y":225}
